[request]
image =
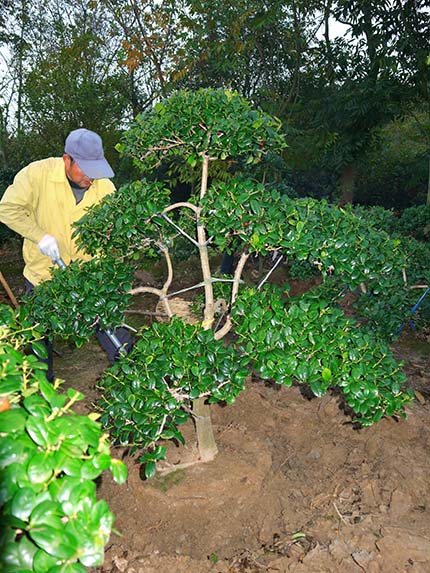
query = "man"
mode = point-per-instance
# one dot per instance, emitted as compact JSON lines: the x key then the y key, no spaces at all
{"x":43,"y":202}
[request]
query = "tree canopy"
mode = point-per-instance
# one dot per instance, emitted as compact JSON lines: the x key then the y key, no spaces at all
{"x":100,"y":63}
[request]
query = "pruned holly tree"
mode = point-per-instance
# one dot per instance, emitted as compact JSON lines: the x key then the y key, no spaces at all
{"x":178,"y":367}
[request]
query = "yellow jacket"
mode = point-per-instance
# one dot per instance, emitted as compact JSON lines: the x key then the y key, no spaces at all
{"x":41,"y":201}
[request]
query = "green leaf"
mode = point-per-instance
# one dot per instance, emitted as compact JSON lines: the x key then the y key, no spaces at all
{"x":38,"y":430}
{"x":72,"y":466}
{"x":39,"y":468}
{"x":302,"y":371}
{"x":40,"y":349}
{"x":55,"y":400}
{"x":15,"y":451}
{"x":23,"y":503}
{"x":317,"y":389}
{"x":102,"y":461}
{"x":10,"y":385}
{"x":43,"y":511}
{"x":378,"y":415}
{"x":12,"y":421}
{"x":150,"y":469}
{"x":192,"y":161}
{"x":42,"y":561}
{"x":89,"y":470}
{"x":326,"y":374}
{"x":62,"y":488}
{"x":58,"y":543}
{"x":18,"y":554}
{"x":119,"y":471}
{"x":37,"y":406}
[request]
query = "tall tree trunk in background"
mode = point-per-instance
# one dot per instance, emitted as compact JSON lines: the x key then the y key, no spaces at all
{"x":372,"y":42}
{"x":428,"y":185}
{"x":329,"y":49}
{"x":20,"y":53}
{"x":347,"y":182}
{"x":417,"y":26}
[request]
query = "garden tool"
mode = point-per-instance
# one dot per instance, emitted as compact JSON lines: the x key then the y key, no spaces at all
{"x":8,"y":290}
{"x":413,"y":310}
{"x":111,"y":335}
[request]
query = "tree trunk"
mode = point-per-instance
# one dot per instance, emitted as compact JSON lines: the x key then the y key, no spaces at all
{"x":428,"y":184}
{"x":205,"y":436}
{"x":19,"y":112}
{"x":347,"y":182}
{"x":329,"y":50}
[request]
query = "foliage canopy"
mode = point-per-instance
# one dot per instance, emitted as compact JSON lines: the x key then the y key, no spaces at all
{"x":148,"y":393}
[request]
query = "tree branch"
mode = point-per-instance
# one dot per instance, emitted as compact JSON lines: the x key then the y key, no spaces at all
{"x":234,"y":291}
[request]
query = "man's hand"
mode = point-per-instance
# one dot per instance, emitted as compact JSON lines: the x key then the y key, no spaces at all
{"x":48,"y":246}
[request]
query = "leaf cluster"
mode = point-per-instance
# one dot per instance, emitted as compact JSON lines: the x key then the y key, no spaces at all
{"x":212,"y":122}
{"x":123,"y":223}
{"x":334,"y":240}
{"x":309,"y":340}
{"x":387,"y":303}
{"x":414,"y":222}
{"x":148,"y":394}
{"x":50,"y":518}
{"x":84,"y":296}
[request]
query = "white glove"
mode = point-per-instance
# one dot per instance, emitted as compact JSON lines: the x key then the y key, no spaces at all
{"x":48,"y":246}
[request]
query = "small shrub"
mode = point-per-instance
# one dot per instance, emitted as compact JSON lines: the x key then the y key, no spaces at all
{"x":51,"y":520}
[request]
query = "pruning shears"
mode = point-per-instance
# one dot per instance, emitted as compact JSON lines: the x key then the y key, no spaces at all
{"x":111,"y":335}
{"x":60,"y":263}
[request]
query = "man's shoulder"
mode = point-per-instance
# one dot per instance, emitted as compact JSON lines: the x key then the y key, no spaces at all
{"x":48,"y":165}
{"x":47,"y":162}
{"x":105,"y":186}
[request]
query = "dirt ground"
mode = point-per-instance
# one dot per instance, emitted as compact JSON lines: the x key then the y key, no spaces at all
{"x":294,"y":486}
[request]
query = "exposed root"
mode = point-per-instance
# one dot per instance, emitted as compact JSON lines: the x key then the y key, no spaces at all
{"x":170,"y":468}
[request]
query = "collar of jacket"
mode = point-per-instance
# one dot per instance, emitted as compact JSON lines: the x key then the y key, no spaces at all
{"x":58,"y":174}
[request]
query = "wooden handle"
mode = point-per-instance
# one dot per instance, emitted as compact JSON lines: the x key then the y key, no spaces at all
{"x":8,"y":290}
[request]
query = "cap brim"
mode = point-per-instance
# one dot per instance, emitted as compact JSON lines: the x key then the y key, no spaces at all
{"x":95,"y":168}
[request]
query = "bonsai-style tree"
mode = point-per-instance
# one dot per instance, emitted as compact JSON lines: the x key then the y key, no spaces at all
{"x":178,"y":367}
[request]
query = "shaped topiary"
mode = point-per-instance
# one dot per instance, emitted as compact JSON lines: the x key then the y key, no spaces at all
{"x":176,"y":366}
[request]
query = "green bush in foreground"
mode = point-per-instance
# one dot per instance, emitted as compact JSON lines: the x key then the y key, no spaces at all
{"x":50,"y":519}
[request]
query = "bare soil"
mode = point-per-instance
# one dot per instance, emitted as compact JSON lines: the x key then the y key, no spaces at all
{"x":294,"y":486}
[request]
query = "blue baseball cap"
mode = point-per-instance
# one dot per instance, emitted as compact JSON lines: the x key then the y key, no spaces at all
{"x":86,"y":148}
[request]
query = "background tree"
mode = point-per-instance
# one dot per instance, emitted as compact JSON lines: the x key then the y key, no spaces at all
{"x":258,"y":49}
{"x":394,"y":169}
{"x":334,"y":94}
{"x":73,"y":80}
{"x":152,"y":39}
{"x":409,"y":24}
{"x":350,"y":90}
